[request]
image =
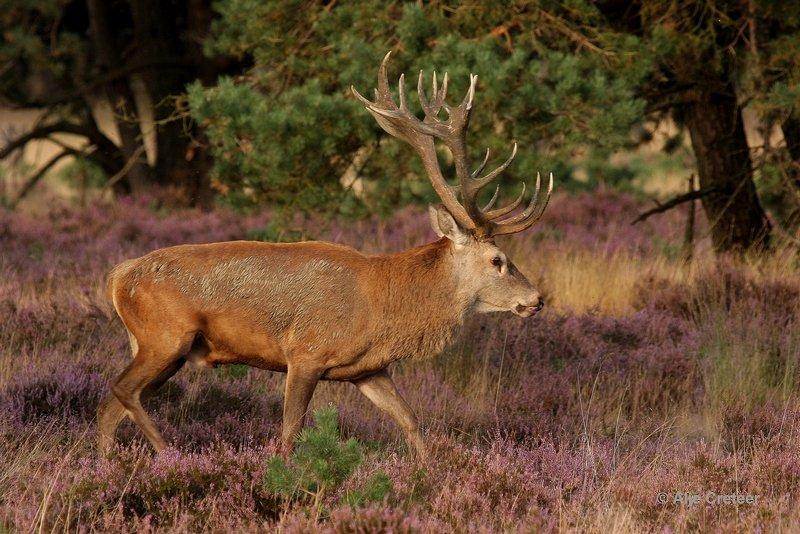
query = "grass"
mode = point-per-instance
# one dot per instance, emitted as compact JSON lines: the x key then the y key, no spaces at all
{"x":644,"y":375}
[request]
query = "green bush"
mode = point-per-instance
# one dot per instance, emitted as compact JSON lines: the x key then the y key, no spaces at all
{"x":320,"y":464}
{"x":290,"y":133}
{"x":82,"y":173}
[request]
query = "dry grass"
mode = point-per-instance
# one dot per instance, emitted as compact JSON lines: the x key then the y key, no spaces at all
{"x":583,"y":281}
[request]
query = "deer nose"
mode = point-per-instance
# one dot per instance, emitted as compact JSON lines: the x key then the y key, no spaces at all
{"x":532,"y":307}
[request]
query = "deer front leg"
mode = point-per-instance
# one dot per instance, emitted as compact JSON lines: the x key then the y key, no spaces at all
{"x":300,"y":384}
{"x":380,"y":389}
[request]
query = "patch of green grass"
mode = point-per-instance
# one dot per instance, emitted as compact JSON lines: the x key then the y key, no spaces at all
{"x":36,"y":250}
{"x":235,"y":370}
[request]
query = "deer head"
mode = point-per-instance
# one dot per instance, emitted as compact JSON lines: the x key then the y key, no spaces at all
{"x":482,"y":269}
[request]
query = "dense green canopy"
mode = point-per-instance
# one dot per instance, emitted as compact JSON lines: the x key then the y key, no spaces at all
{"x":562,"y":79}
{"x":290,"y":129}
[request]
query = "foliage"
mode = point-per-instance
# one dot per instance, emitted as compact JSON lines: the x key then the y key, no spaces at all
{"x":82,"y":174}
{"x":321,"y":463}
{"x":749,"y":50}
{"x":570,"y":82}
{"x":374,"y":490}
{"x":289,"y":131}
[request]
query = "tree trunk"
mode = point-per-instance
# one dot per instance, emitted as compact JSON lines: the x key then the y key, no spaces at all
{"x":170,"y":68}
{"x":737,"y":220}
{"x":119,"y":95}
{"x":791,"y":134}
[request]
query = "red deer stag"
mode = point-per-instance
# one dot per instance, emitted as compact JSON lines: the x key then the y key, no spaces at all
{"x":321,"y":311}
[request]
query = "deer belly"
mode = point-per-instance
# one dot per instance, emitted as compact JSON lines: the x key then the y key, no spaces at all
{"x":214,"y":347}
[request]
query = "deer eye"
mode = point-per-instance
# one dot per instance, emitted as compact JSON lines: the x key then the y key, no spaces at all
{"x":497,"y":261}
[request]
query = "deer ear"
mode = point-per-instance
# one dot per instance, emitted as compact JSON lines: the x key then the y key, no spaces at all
{"x":445,"y":225}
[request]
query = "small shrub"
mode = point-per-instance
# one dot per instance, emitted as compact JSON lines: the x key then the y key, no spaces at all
{"x":320,"y":463}
{"x":82,"y":173}
{"x":375,"y":489}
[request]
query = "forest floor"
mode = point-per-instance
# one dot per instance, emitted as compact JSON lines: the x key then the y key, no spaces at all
{"x":651,"y":393}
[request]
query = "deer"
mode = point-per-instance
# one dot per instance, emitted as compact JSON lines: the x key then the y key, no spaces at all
{"x":323,"y":311}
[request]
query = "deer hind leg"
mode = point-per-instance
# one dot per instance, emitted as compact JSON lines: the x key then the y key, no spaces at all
{"x":380,"y":389}
{"x":111,"y":412}
{"x":147,"y":372}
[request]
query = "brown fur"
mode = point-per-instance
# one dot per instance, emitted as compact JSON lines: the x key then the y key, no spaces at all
{"x":327,"y":309}
{"x":348,"y":309}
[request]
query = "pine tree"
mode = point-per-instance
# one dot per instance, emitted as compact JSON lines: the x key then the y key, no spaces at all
{"x":559,"y":78}
{"x":289,"y":132}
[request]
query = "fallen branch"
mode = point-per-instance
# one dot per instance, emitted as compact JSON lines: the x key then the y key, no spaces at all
{"x":675,"y":201}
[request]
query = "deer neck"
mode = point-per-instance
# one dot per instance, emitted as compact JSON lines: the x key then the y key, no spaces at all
{"x":420,"y":298}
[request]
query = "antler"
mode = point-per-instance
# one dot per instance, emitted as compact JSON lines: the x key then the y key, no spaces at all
{"x":399,"y":122}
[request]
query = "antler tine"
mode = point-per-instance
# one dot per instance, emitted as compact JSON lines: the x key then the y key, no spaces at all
{"x":470,"y":96}
{"x":437,"y":102}
{"x":443,"y":93}
{"x":480,"y":183}
{"x":530,"y":207}
{"x":364,"y":100}
{"x":423,"y":100}
{"x":546,"y":199}
{"x":477,"y":171}
{"x":382,"y":93}
{"x":491,"y":202}
{"x":401,"y":90}
{"x":525,"y":220}
{"x":505,"y":210}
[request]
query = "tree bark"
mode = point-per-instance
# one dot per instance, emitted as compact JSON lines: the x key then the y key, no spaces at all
{"x":155,"y":40}
{"x":791,"y":134}
{"x":119,"y":94}
{"x":738,"y":222}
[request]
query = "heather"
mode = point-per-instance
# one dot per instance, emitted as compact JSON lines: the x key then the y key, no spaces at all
{"x":645,"y":374}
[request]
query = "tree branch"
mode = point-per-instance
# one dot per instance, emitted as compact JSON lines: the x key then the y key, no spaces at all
{"x":49,"y":129}
{"x":675,"y":201}
{"x":111,"y":75}
{"x":125,"y":168}
{"x":33,"y":180}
